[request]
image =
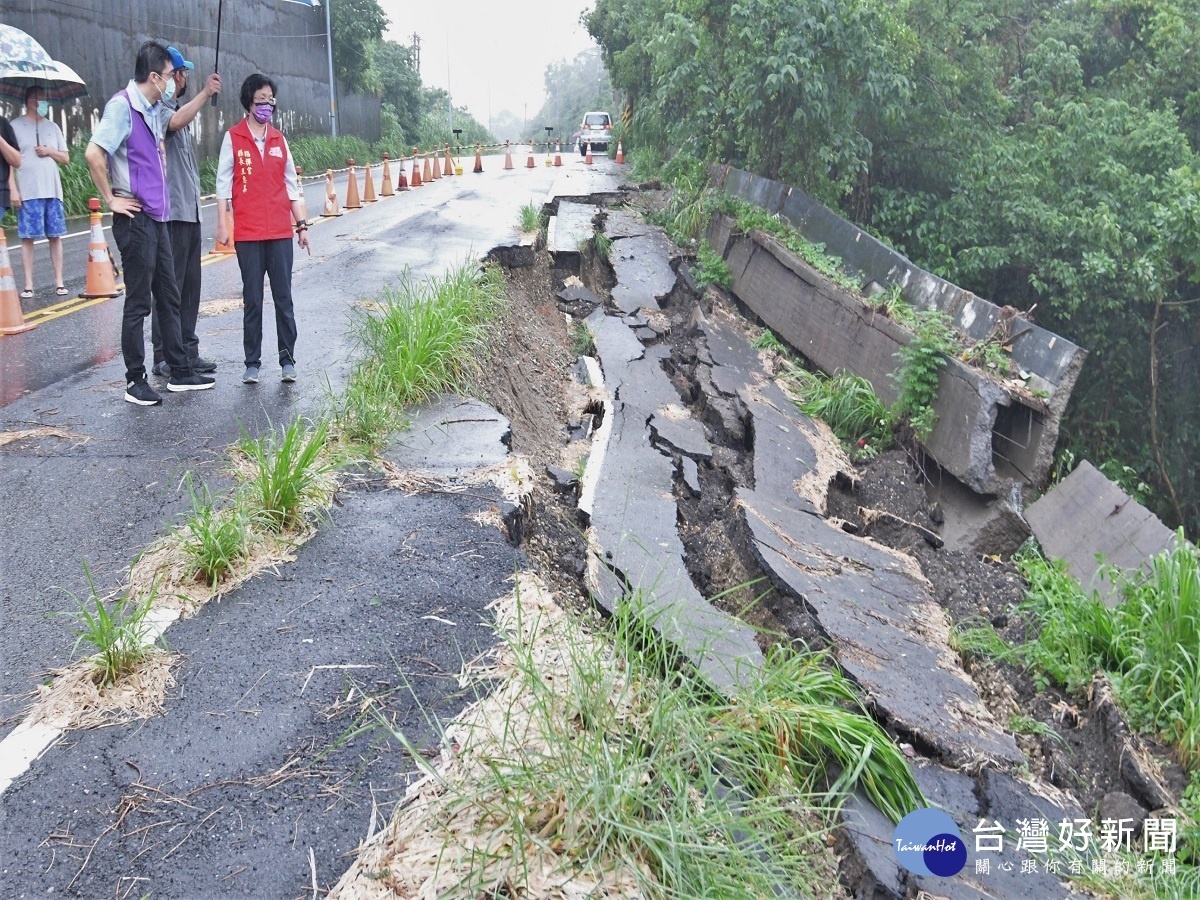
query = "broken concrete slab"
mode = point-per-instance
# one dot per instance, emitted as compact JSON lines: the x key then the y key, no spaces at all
{"x":452,"y":436}
{"x":975,"y":524}
{"x":872,"y":869}
{"x":634,"y":519}
{"x":643,"y":269}
{"x":561,"y":479}
{"x":871,"y":602}
{"x":571,"y":228}
{"x":691,"y":474}
{"x":578,"y":294}
{"x":839,"y":332}
{"x":1050,"y":357}
{"x":621,"y":224}
{"x":1086,"y":515}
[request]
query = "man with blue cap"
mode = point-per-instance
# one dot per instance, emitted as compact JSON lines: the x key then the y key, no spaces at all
{"x":183,"y":225}
{"x":128,"y":164}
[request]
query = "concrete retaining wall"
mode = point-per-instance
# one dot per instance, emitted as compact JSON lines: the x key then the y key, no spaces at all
{"x":987,"y":434}
{"x":286,"y":41}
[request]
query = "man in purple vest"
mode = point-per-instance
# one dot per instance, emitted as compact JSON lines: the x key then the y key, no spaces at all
{"x":127,"y":161}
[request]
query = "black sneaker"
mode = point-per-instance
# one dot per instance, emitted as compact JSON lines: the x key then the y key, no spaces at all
{"x":161,"y":369}
{"x":142,"y":394}
{"x":190,"y":383}
{"x":203,"y":366}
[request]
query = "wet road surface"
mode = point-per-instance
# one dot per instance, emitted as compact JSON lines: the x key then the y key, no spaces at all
{"x":101,"y":500}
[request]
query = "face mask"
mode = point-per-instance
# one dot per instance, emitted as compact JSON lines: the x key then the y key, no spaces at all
{"x":169,"y":90}
{"x":43,"y":108}
{"x":263,"y":113}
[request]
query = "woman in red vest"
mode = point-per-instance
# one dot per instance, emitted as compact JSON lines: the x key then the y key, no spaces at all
{"x":256,"y":174}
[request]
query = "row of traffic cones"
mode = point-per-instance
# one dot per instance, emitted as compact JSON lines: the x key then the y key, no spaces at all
{"x":101,"y":273}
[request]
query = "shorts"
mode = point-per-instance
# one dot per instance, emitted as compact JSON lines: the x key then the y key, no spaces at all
{"x":43,"y":218}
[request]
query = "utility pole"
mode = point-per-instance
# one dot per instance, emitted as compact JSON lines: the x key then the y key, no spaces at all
{"x":332,"y":89}
{"x":416,"y":51}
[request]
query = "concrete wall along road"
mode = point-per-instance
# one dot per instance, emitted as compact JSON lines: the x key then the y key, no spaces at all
{"x":991,"y":432}
{"x":286,"y":41}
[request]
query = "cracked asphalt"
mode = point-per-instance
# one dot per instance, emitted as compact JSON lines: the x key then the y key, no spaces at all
{"x":244,"y":776}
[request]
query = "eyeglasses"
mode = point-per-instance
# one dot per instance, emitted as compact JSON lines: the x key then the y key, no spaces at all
{"x":270,"y":101}
{"x":165,"y":75}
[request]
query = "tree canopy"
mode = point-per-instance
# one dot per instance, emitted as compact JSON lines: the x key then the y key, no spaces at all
{"x":1039,"y":153}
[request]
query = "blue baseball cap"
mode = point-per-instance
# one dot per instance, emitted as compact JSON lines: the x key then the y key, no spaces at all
{"x":177,"y":59}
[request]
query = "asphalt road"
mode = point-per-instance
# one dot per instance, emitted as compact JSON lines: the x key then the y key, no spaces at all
{"x":357,"y":592}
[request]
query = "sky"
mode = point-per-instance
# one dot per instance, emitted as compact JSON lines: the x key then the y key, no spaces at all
{"x":497,"y":51}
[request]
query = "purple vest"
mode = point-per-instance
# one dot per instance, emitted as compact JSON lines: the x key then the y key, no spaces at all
{"x":147,"y":167}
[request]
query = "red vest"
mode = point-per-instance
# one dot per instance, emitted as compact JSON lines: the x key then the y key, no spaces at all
{"x":261,"y":208}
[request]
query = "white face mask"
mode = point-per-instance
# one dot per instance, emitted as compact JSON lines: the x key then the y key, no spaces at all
{"x":43,"y":108}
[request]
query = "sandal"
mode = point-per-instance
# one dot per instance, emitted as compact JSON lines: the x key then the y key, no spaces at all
{"x":61,"y":290}
{"x":27,"y":294}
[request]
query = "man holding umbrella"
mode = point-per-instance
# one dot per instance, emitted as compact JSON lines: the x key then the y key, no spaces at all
{"x":129,"y":143}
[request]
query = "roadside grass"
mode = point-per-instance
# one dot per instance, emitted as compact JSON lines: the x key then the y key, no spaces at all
{"x":846,"y":403}
{"x":114,"y":634}
{"x":420,"y":339}
{"x":214,"y":539}
{"x":289,"y":475}
{"x":531,"y":218}
{"x":1148,"y":646}
{"x":582,"y":342}
{"x":602,"y":244}
{"x":711,"y":268}
{"x":592,"y":762}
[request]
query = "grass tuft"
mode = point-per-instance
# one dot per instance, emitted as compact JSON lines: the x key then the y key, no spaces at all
{"x":846,"y":403}
{"x":287,"y":472}
{"x":213,"y":539}
{"x":419,"y":341}
{"x":532,"y":218}
{"x":115,"y":635}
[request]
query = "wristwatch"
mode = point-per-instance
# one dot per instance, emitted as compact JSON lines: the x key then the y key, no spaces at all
{"x":302,"y":225}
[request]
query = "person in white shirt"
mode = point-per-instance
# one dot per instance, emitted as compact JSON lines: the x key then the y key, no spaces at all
{"x":41,"y":213}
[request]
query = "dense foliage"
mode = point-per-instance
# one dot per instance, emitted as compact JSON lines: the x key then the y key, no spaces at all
{"x":1042,"y":154}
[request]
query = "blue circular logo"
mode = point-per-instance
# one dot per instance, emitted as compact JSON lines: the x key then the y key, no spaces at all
{"x":927,"y":842}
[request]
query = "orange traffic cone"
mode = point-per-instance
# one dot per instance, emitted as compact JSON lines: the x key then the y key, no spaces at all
{"x":529,"y":163}
{"x":386,"y":189}
{"x":401,"y":179}
{"x":369,"y":191}
{"x":449,"y":168}
{"x":620,"y":152}
{"x":100,"y":279}
{"x":558,"y":152}
{"x":437,"y":166}
{"x":352,"y":201}
{"x":508,"y":164}
{"x":332,"y":207}
{"x":427,"y":175}
{"x":227,"y":248}
{"x":587,"y":160}
{"x":12,"y":320}
{"x":416,"y":175}
{"x":478,"y":159}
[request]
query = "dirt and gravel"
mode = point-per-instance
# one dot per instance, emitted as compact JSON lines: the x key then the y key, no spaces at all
{"x":1078,"y":748}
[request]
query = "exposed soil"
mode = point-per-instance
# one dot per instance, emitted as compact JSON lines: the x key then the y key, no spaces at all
{"x":1080,"y":757}
{"x":526,"y":375}
{"x":529,"y":380}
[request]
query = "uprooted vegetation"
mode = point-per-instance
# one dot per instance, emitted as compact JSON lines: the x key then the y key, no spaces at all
{"x":594,"y":766}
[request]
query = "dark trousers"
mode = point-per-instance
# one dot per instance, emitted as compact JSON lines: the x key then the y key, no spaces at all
{"x":274,"y":260}
{"x":185,"y":250}
{"x":145,"y":247}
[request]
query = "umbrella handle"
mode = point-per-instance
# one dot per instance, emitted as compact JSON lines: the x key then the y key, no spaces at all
{"x":217,"y":58}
